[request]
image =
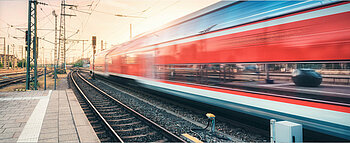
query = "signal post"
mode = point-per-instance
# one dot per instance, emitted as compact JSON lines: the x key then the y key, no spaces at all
{"x":93,"y":55}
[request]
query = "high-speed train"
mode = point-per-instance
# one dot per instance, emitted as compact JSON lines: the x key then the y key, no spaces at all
{"x":184,"y":56}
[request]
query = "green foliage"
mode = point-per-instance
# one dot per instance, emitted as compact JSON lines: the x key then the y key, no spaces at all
{"x":79,"y":63}
{"x":20,"y":62}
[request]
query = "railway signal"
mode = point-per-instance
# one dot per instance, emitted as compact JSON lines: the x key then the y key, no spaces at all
{"x":94,"y":44}
{"x":93,"y":55}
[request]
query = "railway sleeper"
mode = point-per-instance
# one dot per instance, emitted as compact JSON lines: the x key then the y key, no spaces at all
{"x":110,"y":107}
{"x":125,"y":122}
{"x":132,"y":129}
{"x":123,"y":119}
{"x":116,"y":116}
{"x":108,"y":112}
{"x":139,"y":135}
{"x":127,"y":126}
{"x":135,"y":132}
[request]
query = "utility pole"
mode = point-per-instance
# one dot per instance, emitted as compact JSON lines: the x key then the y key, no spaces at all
{"x":32,"y":43}
{"x":62,"y":35}
{"x":55,"y":50}
{"x":82,"y":56}
{"x":4,"y":61}
{"x":22,"y":57}
{"x":8,"y":58}
{"x":43,"y":56}
{"x":13,"y":57}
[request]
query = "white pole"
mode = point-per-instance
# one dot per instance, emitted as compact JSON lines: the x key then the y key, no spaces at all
{"x":272,"y":131}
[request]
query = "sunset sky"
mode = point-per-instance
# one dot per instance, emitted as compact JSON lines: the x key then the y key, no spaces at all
{"x":101,"y":22}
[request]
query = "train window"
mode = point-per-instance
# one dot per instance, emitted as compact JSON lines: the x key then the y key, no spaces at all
{"x":130,"y":59}
{"x":224,"y":74}
{"x":110,"y":61}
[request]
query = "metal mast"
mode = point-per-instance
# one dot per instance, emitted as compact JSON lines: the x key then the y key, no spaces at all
{"x":62,"y":35}
{"x":55,"y":50}
{"x":32,"y":45}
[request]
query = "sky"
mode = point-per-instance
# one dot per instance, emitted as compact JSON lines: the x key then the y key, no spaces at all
{"x":93,"y":18}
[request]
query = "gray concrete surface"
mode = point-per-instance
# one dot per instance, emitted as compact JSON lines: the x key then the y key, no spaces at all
{"x":63,"y":119}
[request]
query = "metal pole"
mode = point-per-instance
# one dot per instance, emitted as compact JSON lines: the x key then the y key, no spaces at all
{"x":4,"y":61}
{"x":45,"y":78}
{"x":64,"y":35}
{"x":93,"y":65}
{"x":8,"y":57}
{"x":35,"y":44}
{"x":55,"y":53}
{"x":22,"y":58}
{"x":13,"y":57}
{"x":5,"y":57}
{"x":272,"y":131}
{"x":55,"y":76}
{"x":28,"y":45}
{"x":43,"y":51}
{"x":82,"y":57}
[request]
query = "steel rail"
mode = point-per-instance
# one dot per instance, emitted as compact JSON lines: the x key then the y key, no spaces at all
{"x":13,"y":73}
{"x":113,"y":134}
{"x":162,"y":130}
{"x":16,"y":79}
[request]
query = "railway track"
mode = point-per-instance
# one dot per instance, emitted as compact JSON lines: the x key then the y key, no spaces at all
{"x":16,"y":79}
{"x":114,"y":121}
{"x":246,"y":122}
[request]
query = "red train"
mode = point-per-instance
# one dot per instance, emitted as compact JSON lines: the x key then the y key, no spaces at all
{"x":187,"y":56}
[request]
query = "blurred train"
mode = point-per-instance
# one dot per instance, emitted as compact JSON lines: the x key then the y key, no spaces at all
{"x":184,"y":56}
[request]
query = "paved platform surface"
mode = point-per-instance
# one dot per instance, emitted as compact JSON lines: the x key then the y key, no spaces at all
{"x":43,"y":116}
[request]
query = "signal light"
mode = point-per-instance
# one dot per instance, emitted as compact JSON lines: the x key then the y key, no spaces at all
{"x":94,"y":44}
{"x":26,"y":37}
{"x":93,"y":40}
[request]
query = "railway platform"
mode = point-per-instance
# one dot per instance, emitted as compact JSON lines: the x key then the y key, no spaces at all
{"x":43,"y":116}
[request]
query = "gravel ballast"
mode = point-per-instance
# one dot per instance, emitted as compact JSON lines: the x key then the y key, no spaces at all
{"x":179,"y":119}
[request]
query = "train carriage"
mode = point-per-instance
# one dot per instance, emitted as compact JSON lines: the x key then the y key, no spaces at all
{"x":176,"y":58}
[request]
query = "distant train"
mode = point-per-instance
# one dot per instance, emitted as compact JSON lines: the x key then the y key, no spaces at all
{"x":189,"y":56}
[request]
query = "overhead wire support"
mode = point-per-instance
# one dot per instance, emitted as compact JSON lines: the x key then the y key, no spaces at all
{"x":62,"y":33}
{"x":32,"y":45}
